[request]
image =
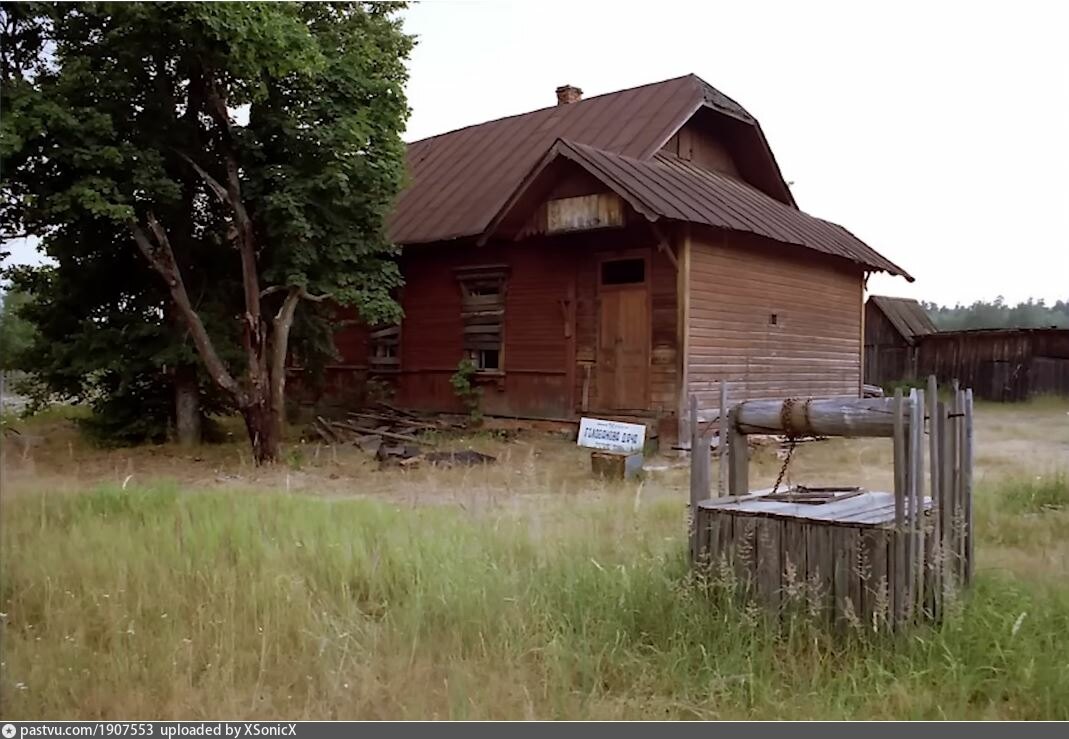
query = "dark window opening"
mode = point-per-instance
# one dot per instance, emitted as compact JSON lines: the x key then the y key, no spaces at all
{"x":487,"y":359}
{"x":382,"y":348}
{"x":623,"y":272}
{"x":484,"y":289}
{"x":773,"y":319}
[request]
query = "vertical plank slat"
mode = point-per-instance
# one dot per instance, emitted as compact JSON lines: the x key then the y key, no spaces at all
{"x":738,"y":457}
{"x":699,"y":482}
{"x":935,"y":486}
{"x":875,"y":598}
{"x":711,"y":537}
{"x":793,"y":555}
{"x":844,"y":558}
{"x":769,"y":567}
{"x":721,"y":443}
{"x":954,"y":499}
{"x":818,"y":570}
{"x":917,"y":528}
{"x":745,"y":553}
{"x":946,"y":471}
{"x":898,"y":585}
{"x":727,"y":541}
{"x":966,"y":468}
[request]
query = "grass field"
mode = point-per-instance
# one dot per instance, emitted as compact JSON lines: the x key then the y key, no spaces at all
{"x":326,"y":588}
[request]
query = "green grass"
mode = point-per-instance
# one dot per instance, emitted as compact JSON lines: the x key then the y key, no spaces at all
{"x":160,"y":603}
{"x":1035,"y":495}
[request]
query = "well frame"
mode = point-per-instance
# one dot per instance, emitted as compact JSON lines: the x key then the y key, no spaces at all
{"x":881,"y":557}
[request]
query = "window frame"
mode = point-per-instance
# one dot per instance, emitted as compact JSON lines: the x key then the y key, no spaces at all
{"x":482,"y":312}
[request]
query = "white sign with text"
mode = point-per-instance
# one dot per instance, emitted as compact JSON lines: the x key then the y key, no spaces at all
{"x":595,"y":433}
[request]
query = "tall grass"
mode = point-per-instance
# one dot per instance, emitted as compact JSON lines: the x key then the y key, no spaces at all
{"x":158,"y":603}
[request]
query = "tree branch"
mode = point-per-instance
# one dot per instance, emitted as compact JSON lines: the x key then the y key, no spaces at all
{"x":213,"y":184}
{"x":272,"y":290}
{"x":280,"y":348}
{"x":161,"y":257}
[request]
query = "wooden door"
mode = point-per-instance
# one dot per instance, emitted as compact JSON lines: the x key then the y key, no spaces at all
{"x":623,"y":347}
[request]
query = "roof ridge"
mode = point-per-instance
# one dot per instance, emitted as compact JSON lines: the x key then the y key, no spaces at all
{"x":554,"y":107}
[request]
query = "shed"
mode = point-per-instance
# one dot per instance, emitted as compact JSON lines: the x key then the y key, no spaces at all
{"x":893,"y":327}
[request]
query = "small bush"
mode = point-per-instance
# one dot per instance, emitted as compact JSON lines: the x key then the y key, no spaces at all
{"x":470,"y":394}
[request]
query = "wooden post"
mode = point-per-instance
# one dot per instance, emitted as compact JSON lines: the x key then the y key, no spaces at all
{"x":952,"y":526}
{"x":966,"y":470}
{"x":898,"y":586}
{"x":936,"y":471}
{"x":944,"y":427}
{"x":738,"y":457}
{"x":917,"y":565}
{"x":699,"y":474}
{"x":721,"y":442}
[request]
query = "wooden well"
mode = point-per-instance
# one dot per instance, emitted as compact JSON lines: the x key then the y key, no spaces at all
{"x":837,"y":557}
{"x":867,"y":557}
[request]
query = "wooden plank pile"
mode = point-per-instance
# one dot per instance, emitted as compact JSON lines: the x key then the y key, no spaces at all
{"x":394,"y":436}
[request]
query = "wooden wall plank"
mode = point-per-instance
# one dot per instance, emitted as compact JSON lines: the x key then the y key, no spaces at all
{"x":769,"y":322}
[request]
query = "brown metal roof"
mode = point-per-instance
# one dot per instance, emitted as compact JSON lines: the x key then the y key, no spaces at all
{"x":459,"y":180}
{"x":667,"y":187}
{"x":906,"y":315}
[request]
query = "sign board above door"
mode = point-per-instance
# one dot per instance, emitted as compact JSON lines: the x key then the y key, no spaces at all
{"x":595,"y":433}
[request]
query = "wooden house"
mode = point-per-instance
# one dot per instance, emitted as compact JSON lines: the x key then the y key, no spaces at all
{"x":893,"y":327}
{"x":610,"y":256}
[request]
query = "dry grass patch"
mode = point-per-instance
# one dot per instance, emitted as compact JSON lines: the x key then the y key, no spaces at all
{"x":524,"y":589}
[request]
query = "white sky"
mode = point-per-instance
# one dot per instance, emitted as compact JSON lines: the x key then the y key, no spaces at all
{"x":937,"y":132}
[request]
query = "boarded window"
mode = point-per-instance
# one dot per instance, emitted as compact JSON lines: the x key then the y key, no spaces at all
{"x":383,"y":348}
{"x":483,"y":310}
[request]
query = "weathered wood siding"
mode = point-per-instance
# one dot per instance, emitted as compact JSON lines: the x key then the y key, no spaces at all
{"x":889,"y":357}
{"x":695,"y":143}
{"x":535,"y":379}
{"x":736,"y":286}
{"x":1002,"y":365}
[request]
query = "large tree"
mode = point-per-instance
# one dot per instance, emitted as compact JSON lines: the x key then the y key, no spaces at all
{"x":271,"y":129}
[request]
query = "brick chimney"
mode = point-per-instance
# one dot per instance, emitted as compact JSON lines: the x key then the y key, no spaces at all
{"x":567,"y":94}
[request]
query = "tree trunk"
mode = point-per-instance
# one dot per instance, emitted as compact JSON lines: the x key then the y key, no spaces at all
{"x":187,"y":405}
{"x":264,"y":432}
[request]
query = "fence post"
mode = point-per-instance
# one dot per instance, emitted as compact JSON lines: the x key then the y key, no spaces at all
{"x":699,"y":474}
{"x":721,"y":442}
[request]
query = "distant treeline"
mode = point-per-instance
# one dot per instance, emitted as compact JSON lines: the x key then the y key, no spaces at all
{"x":999,"y":314}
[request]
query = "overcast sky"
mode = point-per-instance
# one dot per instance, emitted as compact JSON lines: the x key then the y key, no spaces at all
{"x":937,"y":132}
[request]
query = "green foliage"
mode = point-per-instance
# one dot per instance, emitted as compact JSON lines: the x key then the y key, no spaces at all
{"x":470,"y":394}
{"x":16,"y":333}
{"x":107,"y":106}
{"x":998,"y":314}
{"x":99,"y":341}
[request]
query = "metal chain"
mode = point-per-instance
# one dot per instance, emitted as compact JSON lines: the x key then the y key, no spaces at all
{"x":786,"y":463}
{"x":791,"y":433}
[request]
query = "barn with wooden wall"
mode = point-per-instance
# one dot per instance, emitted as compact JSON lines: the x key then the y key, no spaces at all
{"x":1000,"y":364}
{"x":609,"y":257}
{"x":893,"y":327}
